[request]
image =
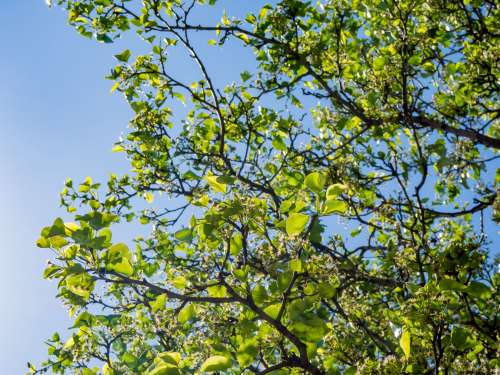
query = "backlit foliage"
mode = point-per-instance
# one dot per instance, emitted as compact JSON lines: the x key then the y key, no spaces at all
{"x":326,"y":213}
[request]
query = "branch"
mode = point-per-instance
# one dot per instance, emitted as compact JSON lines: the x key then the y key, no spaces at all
{"x":467,"y":133}
{"x":159,"y":290}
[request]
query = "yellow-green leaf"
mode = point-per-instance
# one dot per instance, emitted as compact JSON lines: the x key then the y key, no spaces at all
{"x":123,"y":267}
{"x":186,"y":313}
{"x":315,"y":181}
{"x":296,"y":223}
{"x":149,"y":197}
{"x":184,"y":235}
{"x":217,"y":291}
{"x":247,"y":352}
{"x":334,"y":205}
{"x":379,"y":63}
{"x":405,"y":343}
{"x":170,"y":357}
{"x":164,"y":369}
{"x":216,"y":184}
{"x":216,"y":363}
{"x":124,"y":56}
{"x":236,"y":244}
{"x":118,"y":258}
{"x":43,"y":242}
{"x":335,"y":190}
{"x":179,"y":282}
{"x":159,"y":303}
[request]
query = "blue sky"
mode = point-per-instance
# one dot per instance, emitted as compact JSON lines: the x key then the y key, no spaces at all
{"x":57,"y":119}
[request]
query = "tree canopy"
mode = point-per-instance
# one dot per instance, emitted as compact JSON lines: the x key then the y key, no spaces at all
{"x":327,"y":212}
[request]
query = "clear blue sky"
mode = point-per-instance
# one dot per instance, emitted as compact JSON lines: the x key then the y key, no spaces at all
{"x":57,"y":119}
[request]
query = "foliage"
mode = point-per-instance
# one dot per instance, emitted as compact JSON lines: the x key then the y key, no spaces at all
{"x":327,"y":213}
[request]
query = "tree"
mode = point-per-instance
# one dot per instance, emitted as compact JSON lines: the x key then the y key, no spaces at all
{"x":327,"y":213}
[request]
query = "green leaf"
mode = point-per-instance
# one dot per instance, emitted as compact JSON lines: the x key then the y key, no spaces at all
{"x":170,"y":357}
{"x":243,"y":37}
{"x":415,"y":60}
{"x":459,"y":338}
{"x":450,"y":284}
{"x":273,"y":310}
{"x":119,"y":250}
{"x":473,"y":354}
{"x":179,"y":282}
{"x":57,"y":229}
{"x":118,"y":258}
{"x":149,"y":197}
{"x":245,"y":76}
{"x":69,"y":343}
{"x":216,"y":363}
{"x":405,"y":343}
{"x":43,"y":242}
{"x":316,"y":231}
{"x":179,"y":97}
{"x":310,"y":328}
{"x":58,"y":242}
{"x":187,"y":313}
{"x":97,"y":220}
{"x":123,"y":267}
{"x":477,"y":289}
{"x":217,"y":291}
{"x":327,"y":290}
{"x":51,"y":271}
{"x":184,"y":235}
{"x":296,"y":223}
{"x":284,"y":280}
{"x":334,"y":205}
{"x":129,"y":359}
{"x":259,"y":294}
{"x":164,"y":369}
{"x":247,"y":352}
{"x":80,"y":284}
{"x":335,"y":190}
{"x":158,"y":303}
{"x":315,"y":181}
{"x":104,"y":38}
{"x":236,"y":244}
{"x":278,"y":143}
{"x":296,"y":265}
{"x":124,"y":56}
{"x":379,"y":63}
{"x":216,"y":183}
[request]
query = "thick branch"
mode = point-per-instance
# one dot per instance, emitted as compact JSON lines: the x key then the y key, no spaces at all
{"x":466,"y":133}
